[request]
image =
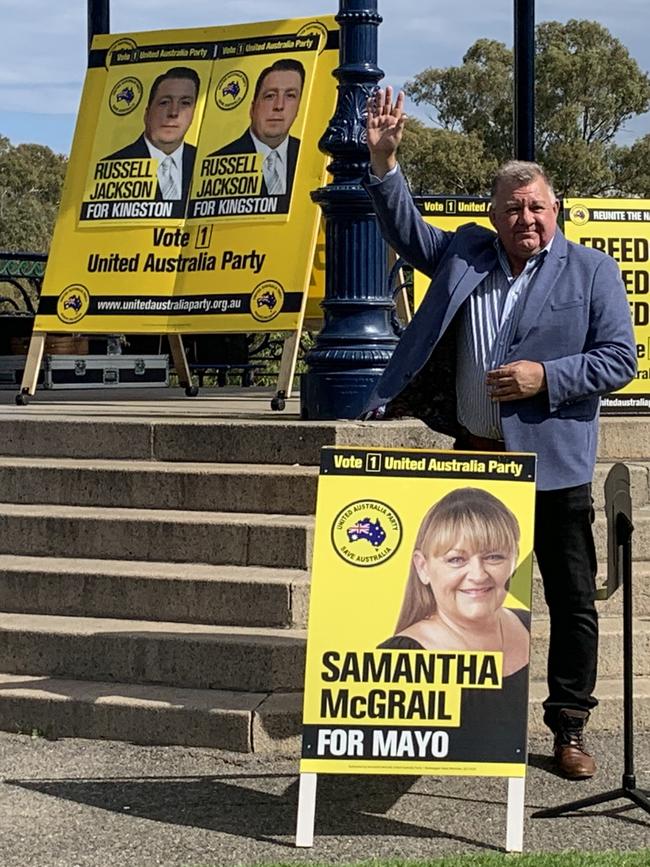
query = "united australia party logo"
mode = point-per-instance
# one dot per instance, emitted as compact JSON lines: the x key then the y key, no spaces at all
{"x":366,"y":533}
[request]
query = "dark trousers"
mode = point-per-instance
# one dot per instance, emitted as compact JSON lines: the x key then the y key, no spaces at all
{"x":566,"y":556}
{"x":564,"y":547}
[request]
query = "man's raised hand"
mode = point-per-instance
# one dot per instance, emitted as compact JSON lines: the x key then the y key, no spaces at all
{"x":385,"y":126}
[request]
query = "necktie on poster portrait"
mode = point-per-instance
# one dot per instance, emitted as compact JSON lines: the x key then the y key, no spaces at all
{"x":272,"y":176}
{"x":169,"y":188}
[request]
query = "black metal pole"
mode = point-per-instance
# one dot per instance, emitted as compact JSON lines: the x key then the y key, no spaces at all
{"x":524,"y":101}
{"x":625,"y":530}
{"x":358,"y":337}
{"x":99,"y":16}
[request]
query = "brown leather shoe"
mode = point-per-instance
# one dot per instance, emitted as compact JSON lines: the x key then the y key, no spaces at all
{"x":571,"y":756}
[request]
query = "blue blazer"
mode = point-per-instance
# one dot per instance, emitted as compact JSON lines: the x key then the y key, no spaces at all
{"x":576,"y":321}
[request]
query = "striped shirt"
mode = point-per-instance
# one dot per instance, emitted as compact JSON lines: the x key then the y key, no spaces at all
{"x":486,"y":328}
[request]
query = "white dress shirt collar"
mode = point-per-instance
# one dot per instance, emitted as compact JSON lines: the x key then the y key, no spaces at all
{"x":264,"y":149}
{"x":157,"y":154}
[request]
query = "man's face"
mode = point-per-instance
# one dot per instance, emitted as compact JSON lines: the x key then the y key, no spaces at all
{"x":276,"y":106}
{"x":525,"y":218}
{"x":168,"y":117}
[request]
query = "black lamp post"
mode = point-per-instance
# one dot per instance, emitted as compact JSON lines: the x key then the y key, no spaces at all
{"x":524,"y":102}
{"x":99,"y":18}
{"x":357,"y":338}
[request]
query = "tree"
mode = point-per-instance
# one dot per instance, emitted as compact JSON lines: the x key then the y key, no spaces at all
{"x":587,"y":87}
{"x":31,"y":180}
{"x":475,"y":97}
{"x":633,"y":168}
{"x":443,"y":161}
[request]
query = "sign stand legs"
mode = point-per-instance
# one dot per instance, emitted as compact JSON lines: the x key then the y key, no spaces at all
{"x":306,"y":810}
{"x":180,"y":364}
{"x":287,"y":369}
{"x":32,"y":367}
{"x":515,"y":816}
{"x":514,"y":822}
{"x":396,"y":278}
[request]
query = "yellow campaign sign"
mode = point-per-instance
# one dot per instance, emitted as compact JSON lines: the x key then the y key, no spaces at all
{"x":419,"y":622}
{"x":186,"y":206}
{"x":621,"y":228}
{"x":316,"y":293}
{"x":447,"y":213}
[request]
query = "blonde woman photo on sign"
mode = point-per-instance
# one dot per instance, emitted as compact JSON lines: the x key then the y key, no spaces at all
{"x":464,"y":556}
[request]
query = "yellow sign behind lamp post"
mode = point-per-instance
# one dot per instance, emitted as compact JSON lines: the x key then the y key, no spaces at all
{"x":621,"y":228}
{"x":217,"y":241}
{"x":448,"y":213}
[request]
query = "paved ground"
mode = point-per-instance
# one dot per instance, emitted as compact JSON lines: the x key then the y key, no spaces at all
{"x":74,"y":803}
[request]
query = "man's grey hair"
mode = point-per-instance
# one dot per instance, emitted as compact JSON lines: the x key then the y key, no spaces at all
{"x":519,"y":173}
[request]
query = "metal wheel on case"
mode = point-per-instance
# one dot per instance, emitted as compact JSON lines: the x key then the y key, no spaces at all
{"x":22,"y":399}
{"x":278,"y":403}
{"x":191,"y":390}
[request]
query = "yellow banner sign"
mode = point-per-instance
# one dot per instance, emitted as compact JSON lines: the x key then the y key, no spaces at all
{"x":448,"y":213}
{"x":419,"y":620}
{"x":187,"y":206}
{"x":621,"y":228}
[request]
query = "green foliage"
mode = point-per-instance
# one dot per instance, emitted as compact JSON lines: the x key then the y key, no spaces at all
{"x":633,"y":168}
{"x":31,"y":180}
{"x":475,"y":97}
{"x":587,"y":87}
{"x":444,"y":161}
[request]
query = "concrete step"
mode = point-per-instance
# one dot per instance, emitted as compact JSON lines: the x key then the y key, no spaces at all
{"x":608,"y":716}
{"x":277,"y":724}
{"x":141,"y":714}
{"x":198,"y":593}
{"x":266,"y":724}
{"x":224,"y":487}
{"x":624,"y":439}
{"x":640,"y":537}
{"x":233,"y":538}
{"x":189,"y":593}
{"x":216,"y":657}
{"x":187,"y":435}
{"x":271,"y":439}
{"x":141,"y":651}
{"x":639,"y":482}
{"x":138,"y":484}
{"x":612,"y":607}
{"x":610,"y":647}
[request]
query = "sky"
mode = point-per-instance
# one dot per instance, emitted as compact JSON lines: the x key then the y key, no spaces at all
{"x":43,"y":57}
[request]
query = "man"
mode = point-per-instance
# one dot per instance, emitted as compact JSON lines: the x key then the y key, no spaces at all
{"x":167,"y":117}
{"x":276,"y":101}
{"x":515,"y":341}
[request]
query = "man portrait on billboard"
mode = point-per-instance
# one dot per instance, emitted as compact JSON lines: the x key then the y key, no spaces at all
{"x":275,"y":105}
{"x":167,"y":118}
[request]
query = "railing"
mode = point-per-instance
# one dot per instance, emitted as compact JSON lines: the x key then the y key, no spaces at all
{"x":17,"y":267}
